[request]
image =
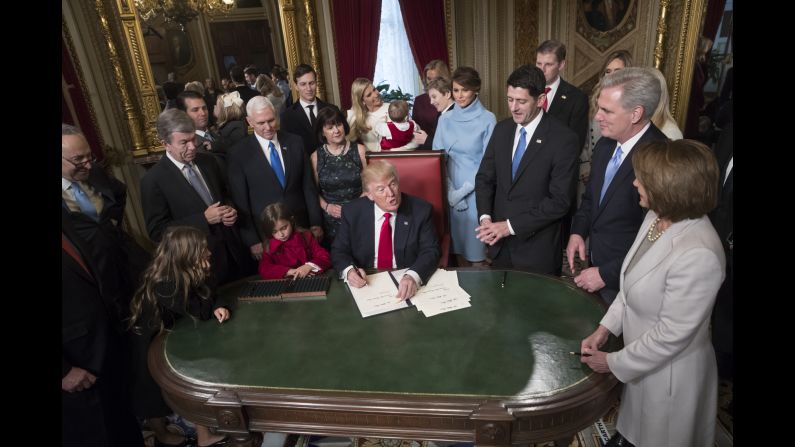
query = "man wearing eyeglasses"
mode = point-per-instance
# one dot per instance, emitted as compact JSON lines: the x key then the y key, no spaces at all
{"x":93,"y":204}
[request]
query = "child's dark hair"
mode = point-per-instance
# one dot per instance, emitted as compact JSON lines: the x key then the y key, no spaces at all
{"x":398,"y":110}
{"x":179,"y":258}
{"x":274,"y":213}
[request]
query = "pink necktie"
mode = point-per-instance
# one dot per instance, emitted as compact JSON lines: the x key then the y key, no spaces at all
{"x":385,"y":245}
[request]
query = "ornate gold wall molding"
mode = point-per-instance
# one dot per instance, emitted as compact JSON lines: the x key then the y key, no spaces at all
{"x":449,"y":25}
{"x":683,"y":22}
{"x":314,"y":46}
{"x":287,"y":9}
{"x":110,"y":156}
{"x":133,"y":75}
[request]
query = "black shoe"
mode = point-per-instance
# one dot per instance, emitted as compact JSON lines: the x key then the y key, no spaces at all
{"x":618,"y":441}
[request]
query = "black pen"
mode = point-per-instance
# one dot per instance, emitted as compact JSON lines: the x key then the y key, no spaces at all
{"x":504,"y":275}
{"x":579,"y":353}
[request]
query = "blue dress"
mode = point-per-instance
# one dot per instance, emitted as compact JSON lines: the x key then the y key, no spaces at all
{"x":463,"y":134}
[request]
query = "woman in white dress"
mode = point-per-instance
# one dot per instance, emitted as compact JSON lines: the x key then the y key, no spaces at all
{"x":367,"y":110}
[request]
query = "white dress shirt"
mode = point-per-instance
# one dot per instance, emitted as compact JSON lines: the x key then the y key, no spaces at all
{"x":553,"y":90}
{"x":305,"y":105}
{"x":530,"y":128}
{"x":378,"y":222}
{"x":195,"y":168}
{"x":263,"y":143}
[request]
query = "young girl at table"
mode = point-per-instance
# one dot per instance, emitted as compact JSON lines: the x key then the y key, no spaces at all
{"x":174,"y":285}
{"x":289,"y":253}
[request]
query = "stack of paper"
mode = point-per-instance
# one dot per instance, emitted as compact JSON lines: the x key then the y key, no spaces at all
{"x":441,"y":294}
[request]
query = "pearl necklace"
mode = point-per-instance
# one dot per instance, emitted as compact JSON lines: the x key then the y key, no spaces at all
{"x":653,"y":234}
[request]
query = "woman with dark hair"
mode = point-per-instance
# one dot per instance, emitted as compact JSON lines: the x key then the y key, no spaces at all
{"x":337,"y":165}
{"x":464,"y":133}
{"x":669,"y":281}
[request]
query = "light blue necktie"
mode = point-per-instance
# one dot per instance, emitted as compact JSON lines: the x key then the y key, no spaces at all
{"x":612,"y":168}
{"x":276,"y":163}
{"x":520,"y":148}
{"x":86,"y":207}
{"x":197,"y":184}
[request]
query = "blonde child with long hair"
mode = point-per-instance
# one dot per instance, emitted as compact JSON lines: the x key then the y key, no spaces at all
{"x":174,"y":285}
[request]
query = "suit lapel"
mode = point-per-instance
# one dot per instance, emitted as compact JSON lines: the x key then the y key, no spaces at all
{"x":659,"y":250}
{"x":560,"y":101}
{"x":368,"y":227}
{"x":260,"y":166}
{"x":534,"y":145}
{"x":182,"y":183}
{"x":212,"y":185}
{"x":402,"y":226}
{"x":288,"y":163}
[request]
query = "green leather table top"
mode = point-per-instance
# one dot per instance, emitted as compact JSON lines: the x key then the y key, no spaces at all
{"x":512,"y":342}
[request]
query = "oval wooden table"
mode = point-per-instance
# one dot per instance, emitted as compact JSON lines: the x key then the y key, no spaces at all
{"x":496,"y":373}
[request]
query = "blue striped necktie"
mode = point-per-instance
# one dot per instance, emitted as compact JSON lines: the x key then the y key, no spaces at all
{"x":612,"y":168}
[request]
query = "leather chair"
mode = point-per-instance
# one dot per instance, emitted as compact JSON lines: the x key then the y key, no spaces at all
{"x":422,"y":174}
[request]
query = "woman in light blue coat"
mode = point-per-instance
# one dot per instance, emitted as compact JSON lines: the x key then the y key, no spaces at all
{"x":464,"y":133}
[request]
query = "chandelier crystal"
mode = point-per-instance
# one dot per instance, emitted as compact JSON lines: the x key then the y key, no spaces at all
{"x":182,"y":11}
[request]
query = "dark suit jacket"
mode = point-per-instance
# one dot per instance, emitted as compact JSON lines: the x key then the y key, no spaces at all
{"x":295,"y":121}
{"x":254,"y":185}
{"x":570,"y":106}
{"x":425,"y":114}
{"x":100,"y":415}
{"x":219,"y":149}
{"x":416,"y":245}
{"x":168,"y":200}
{"x":538,"y":198}
{"x":613,"y":224}
{"x":117,"y":257}
{"x":246,"y":93}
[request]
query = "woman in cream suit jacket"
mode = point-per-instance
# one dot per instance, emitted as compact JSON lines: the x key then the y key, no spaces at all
{"x":669,"y":281}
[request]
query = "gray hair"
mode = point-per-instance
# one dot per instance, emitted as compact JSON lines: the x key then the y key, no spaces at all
{"x":640,"y":88}
{"x":173,"y":120}
{"x":68,"y":129}
{"x":258,"y":103}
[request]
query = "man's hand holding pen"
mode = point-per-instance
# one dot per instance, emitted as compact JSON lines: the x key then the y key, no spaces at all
{"x":357,"y":277}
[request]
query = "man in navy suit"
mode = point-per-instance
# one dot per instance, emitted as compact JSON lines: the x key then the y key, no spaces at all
{"x":610,"y":212}
{"x":271,"y":166}
{"x":386,"y":230}
{"x":300,"y":117}
{"x":566,"y":103}
{"x":186,"y":188}
{"x":523,"y":186}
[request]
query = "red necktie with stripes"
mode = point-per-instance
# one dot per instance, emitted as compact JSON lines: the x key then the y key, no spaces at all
{"x":545,"y":104}
{"x":385,"y":244}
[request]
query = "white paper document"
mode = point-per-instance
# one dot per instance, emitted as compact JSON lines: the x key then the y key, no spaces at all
{"x":378,"y":296}
{"x":441,"y":294}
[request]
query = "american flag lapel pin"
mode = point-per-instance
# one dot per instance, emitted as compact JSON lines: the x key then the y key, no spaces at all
{"x":563,"y":96}
{"x":538,"y":141}
{"x":405,"y":222}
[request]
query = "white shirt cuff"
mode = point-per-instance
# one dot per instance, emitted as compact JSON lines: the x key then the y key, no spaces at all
{"x":485,"y":216}
{"x":510,"y":228}
{"x":345,"y":273}
{"x":414,"y":276}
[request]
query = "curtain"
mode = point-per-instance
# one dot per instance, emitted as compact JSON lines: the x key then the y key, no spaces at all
{"x":712,"y":18}
{"x":424,"y":21}
{"x":356,"y":27}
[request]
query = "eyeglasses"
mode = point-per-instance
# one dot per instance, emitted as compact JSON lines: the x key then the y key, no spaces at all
{"x":81,"y":164}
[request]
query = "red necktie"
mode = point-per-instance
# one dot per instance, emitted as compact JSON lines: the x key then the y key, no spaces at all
{"x":546,"y":101}
{"x":385,"y":245}
{"x":67,"y":246}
